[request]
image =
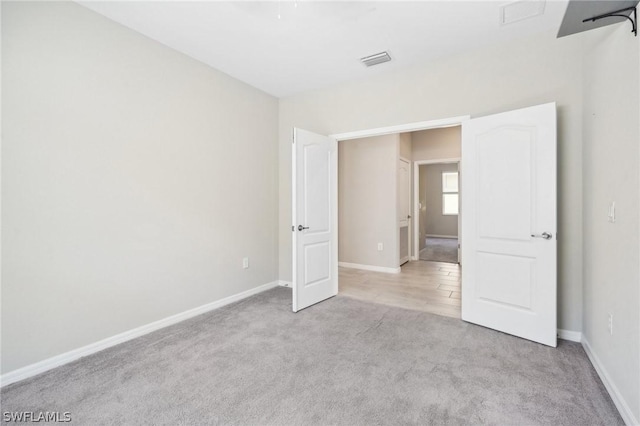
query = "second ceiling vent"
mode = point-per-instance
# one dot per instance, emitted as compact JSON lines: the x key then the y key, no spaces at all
{"x":520,"y":10}
{"x":376,"y":59}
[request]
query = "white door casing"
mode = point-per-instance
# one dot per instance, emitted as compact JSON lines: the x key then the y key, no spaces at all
{"x":509,"y":274}
{"x":315,"y":218}
{"x":404,"y":211}
{"x":459,"y":214}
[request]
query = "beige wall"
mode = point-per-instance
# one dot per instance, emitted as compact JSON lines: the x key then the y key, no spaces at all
{"x":611,"y":173}
{"x":525,"y":72}
{"x":367,"y":198}
{"x":432,"y":221}
{"x":131,"y":177}
{"x":437,"y":144}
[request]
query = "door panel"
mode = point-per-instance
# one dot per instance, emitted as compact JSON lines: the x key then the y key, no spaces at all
{"x":505,"y":216}
{"x":509,"y":276}
{"x":315,"y":254}
{"x":511,"y":279}
{"x":316,"y":263}
{"x":317,"y":184}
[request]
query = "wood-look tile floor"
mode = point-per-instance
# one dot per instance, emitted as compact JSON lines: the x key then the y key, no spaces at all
{"x":425,"y":286}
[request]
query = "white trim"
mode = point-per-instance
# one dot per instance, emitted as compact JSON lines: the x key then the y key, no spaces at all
{"x":618,"y":400}
{"x":455,"y":237}
{"x":442,"y":161}
{"x":282,"y":283}
{"x":460,"y":210}
{"x":370,"y":267}
{"x":570,"y":335}
{"x":67,"y":357}
{"x":416,"y":196}
{"x":402,"y":128}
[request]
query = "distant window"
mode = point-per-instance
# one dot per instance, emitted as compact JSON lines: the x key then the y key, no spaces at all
{"x":449,"y":193}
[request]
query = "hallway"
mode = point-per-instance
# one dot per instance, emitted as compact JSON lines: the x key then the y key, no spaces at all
{"x":424,"y":286}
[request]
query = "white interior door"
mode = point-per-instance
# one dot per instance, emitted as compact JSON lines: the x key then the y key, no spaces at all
{"x":509,"y":222}
{"x":404,"y":210}
{"x":315,"y":215}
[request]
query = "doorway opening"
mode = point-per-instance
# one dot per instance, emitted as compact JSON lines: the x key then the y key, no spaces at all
{"x":437,"y":199}
{"x":509,"y":221}
{"x":378,"y":235}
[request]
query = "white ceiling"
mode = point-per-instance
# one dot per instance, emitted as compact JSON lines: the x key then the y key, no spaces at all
{"x":315,"y":44}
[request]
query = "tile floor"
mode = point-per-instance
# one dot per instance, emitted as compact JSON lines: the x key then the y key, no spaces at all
{"x":425,"y":286}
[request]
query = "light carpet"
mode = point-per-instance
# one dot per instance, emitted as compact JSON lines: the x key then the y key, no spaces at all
{"x":440,"y":250}
{"x":340,"y":362}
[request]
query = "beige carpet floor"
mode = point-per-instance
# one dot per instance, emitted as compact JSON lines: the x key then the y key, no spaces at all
{"x":340,"y":362}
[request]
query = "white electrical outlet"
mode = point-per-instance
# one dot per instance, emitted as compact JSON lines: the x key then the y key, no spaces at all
{"x":245,"y":263}
{"x":380,"y":247}
{"x":610,"y":324}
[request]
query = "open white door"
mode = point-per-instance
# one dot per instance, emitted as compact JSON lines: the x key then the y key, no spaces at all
{"x":315,"y":217}
{"x":404,"y":211}
{"x":509,"y":222}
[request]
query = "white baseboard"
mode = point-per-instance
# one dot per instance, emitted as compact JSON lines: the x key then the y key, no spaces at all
{"x":370,"y":267}
{"x":67,"y":357}
{"x":284,"y":283}
{"x":570,"y":335}
{"x":442,"y":236}
{"x":618,"y":400}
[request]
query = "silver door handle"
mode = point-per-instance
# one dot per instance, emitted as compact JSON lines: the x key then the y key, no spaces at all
{"x":302,"y":228}
{"x":545,"y":235}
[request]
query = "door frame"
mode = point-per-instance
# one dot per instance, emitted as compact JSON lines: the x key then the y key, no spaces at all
{"x":402,"y":128}
{"x":389,"y":130}
{"x":416,"y":202}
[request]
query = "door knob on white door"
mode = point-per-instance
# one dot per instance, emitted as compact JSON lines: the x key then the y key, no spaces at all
{"x":302,"y":228}
{"x":545,"y":235}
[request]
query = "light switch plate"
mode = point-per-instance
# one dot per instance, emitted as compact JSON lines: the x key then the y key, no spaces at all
{"x":611,"y":217}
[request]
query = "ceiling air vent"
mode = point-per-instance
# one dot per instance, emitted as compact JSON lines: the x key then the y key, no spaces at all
{"x":376,"y":59}
{"x":520,"y":10}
